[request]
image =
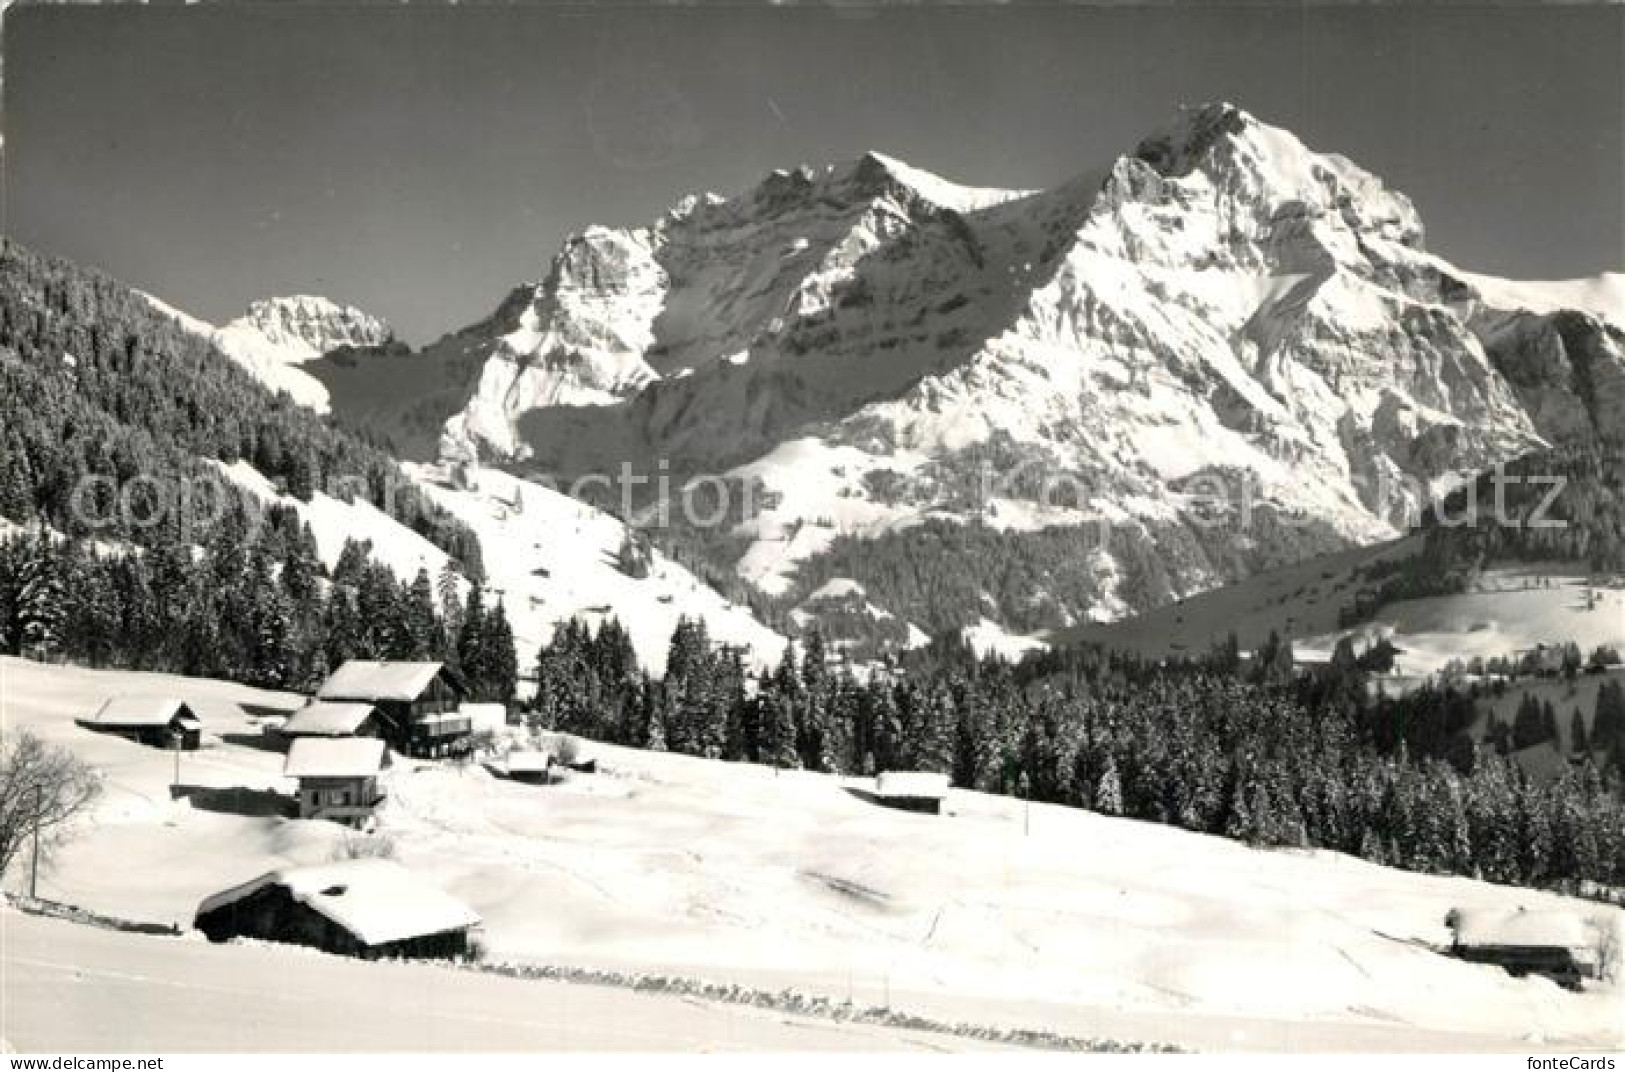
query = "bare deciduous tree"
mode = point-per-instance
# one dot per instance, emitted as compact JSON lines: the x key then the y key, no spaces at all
{"x":42,"y":788}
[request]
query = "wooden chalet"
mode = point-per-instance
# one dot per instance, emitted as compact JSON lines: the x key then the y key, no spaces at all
{"x":338,"y":777}
{"x":325,"y":718}
{"x":417,"y":703}
{"x":1553,"y":943}
{"x":921,"y":791}
{"x":150,"y":720}
{"x":363,"y":908}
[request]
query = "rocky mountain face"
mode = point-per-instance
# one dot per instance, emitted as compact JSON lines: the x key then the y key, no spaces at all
{"x":276,"y":336}
{"x":1220,"y":327}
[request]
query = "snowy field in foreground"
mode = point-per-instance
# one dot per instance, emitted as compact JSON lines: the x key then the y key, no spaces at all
{"x":70,"y":987}
{"x":1061,"y":920}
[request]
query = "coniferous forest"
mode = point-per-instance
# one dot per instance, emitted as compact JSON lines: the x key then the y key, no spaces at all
{"x":1564,"y":504}
{"x":251,"y":606}
{"x":108,"y":413}
{"x":1243,"y":748}
{"x":99,"y":384}
{"x":106,"y":396}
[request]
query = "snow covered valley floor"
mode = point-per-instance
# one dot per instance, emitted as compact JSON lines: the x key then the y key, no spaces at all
{"x":1055,"y":920}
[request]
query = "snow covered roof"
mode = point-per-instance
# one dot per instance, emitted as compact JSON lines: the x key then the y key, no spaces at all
{"x":139,"y":711}
{"x":529,"y":762}
{"x":326,"y":718}
{"x":1521,"y":927}
{"x":911,"y":784}
{"x":335,"y":757}
{"x":378,"y":901}
{"x":360,"y":679}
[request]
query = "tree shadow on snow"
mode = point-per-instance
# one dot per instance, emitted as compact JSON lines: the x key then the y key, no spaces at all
{"x":260,"y":741}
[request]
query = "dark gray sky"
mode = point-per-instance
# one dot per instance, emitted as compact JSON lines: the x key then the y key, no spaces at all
{"x":419,"y":161}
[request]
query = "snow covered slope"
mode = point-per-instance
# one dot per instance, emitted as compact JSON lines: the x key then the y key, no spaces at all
{"x":552,"y":558}
{"x":1222,"y":303}
{"x":1056,"y":918}
{"x":1602,"y":296}
{"x":333,"y":522}
{"x":278,"y":335}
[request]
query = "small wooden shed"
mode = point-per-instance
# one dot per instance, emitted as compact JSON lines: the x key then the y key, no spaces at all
{"x":162,"y":723}
{"x":922,"y":791}
{"x":365,"y":908}
{"x":1554,"y":943}
{"x":529,"y":766}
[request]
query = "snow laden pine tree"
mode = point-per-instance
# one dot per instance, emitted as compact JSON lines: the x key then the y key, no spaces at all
{"x":422,"y":623}
{"x":39,"y":612}
{"x":1109,"y":791}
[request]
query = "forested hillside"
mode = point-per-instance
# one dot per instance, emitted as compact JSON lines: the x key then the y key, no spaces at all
{"x":252,"y":605}
{"x":1562,"y":504}
{"x":944,"y":575}
{"x":135,"y":552}
{"x":1565,"y":503}
{"x":1248,"y":749}
{"x":100,"y":384}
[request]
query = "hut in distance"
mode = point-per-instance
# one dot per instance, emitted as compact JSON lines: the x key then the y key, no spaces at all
{"x":921,"y":791}
{"x":150,"y":720}
{"x":1557,"y":944}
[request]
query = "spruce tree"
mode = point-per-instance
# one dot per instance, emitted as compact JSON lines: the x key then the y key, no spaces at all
{"x":472,"y":659}
{"x":1109,"y":791}
{"x":501,"y":665}
{"x":41,"y":610}
{"x":451,"y":611}
{"x":1579,"y":743}
{"x":422,"y":624}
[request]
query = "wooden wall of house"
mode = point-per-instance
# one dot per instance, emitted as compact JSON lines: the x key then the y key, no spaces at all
{"x":155,"y":736}
{"x":924,"y":805}
{"x":273,"y":914}
{"x":362,"y":789}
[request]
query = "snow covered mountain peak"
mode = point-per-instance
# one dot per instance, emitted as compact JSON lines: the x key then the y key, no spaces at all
{"x":1220,"y":301}
{"x":304,"y":326}
{"x":276,"y":336}
{"x":1263,"y":182}
{"x":878,"y":173}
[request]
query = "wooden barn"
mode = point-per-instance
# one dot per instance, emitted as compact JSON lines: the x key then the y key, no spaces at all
{"x":417,"y":703}
{"x":338,"y":777}
{"x":325,"y":718}
{"x":1553,"y":943}
{"x":151,"y":720}
{"x":920,"y":791}
{"x":362,"y":908}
